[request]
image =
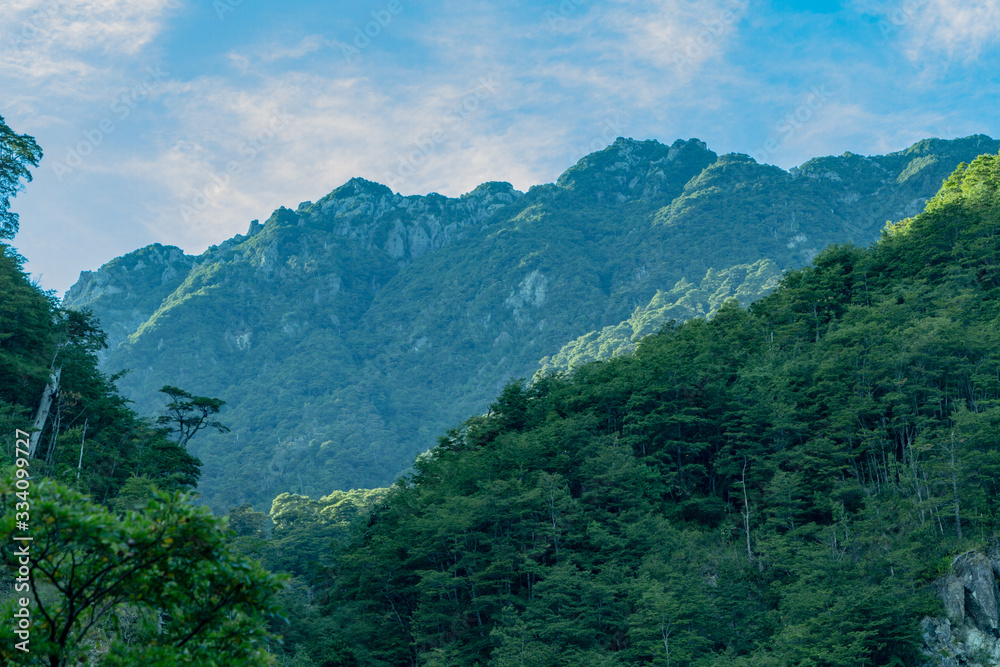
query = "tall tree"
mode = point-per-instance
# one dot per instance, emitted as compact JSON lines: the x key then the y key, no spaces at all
{"x":17,"y":151}
{"x":187,"y":414}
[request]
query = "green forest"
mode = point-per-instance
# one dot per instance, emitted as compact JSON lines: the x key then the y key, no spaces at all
{"x":801,"y":481}
{"x":778,"y":485}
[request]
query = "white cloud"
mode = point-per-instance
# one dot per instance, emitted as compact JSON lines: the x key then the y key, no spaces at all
{"x":121,"y":26}
{"x":233,"y":154}
{"x":673,"y":34}
{"x":67,"y":59}
{"x":68,"y":40}
{"x":960,"y":27}
{"x":926,"y":29}
{"x":271,"y":53}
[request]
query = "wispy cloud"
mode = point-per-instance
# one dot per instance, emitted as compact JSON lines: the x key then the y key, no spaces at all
{"x":963,"y":28}
{"x":47,"y":29}
{"x":220,"y":165}
{"x":277,"y":52}
{"x":673,"y":34}
{"x":69,"y":53}
{"x":394,"y":92}
{"x":928,"y":29}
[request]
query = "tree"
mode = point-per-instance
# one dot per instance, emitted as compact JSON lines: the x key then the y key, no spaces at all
{"x":135,"y":493}
{"x":246,"y":522}
{"x":16,"y":152}
{"x":158,"y":586}
{"x":187,"y":414}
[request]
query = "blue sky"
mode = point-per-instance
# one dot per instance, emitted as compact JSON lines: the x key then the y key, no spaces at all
{"x":179,"y":121}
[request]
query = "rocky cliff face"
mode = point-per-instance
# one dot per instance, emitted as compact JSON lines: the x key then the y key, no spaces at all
{"x":129,"y":289}
{"x":969,"y":632}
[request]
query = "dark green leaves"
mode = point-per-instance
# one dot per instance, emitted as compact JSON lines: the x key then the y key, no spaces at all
{"x":17,"y":152}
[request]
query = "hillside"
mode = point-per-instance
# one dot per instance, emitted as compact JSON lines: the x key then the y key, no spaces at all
{"x":810,"y":481}
{"x":347,"y":334}
{"x":97,"y":569}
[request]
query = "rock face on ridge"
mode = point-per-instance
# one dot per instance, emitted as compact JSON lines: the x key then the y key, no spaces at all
{"x":969,"y":633}
{"x":130,"y":288}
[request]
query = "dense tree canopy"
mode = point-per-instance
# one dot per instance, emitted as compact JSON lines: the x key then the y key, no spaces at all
{"x":772,"y":486}
{"x":775,"y":486}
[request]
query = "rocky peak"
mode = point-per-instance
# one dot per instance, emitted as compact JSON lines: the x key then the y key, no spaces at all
{"x":630,"y":169}
{"x":166,"y":262}
{"x":980,"y":143}
{"x":127,"y":290}
{"x":359,"y":187}
{"x":493,"y":189}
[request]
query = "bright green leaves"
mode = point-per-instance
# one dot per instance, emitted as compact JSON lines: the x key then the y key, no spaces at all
{"x":158,"y":586}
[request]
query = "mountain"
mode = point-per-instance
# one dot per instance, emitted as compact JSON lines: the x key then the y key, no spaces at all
{"x":347,"y":334}
{"x":813,"y":480}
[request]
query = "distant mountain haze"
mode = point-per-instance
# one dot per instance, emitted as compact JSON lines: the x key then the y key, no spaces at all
{"x":348,"y":334}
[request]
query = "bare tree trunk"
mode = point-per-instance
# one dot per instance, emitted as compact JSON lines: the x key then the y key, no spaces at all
{"x":83,"y":437}
{"x":43,"y":410}
{"x":50,"y":453}
{"x":746,"y":509}
{"x":665,"y":629}
{"x":954,"y":489}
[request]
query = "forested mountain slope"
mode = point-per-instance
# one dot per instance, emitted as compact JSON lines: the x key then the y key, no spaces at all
{"x":778,"y":485}
{"x":42,"y":344}
{"x":97,"y":591}
{"x":345,"y":335}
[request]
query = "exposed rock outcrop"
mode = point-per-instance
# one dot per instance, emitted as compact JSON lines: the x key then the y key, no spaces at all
{"x":968,"y":635}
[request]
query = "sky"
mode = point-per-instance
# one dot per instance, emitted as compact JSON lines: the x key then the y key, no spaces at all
{"x":180,"y":121}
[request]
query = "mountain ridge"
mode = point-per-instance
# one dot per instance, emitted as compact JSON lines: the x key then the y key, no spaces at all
{"x":411,"y":312}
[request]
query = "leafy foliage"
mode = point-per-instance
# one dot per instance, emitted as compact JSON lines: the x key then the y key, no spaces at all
{"x":304,"y":534}
{"x":157,"y":586}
